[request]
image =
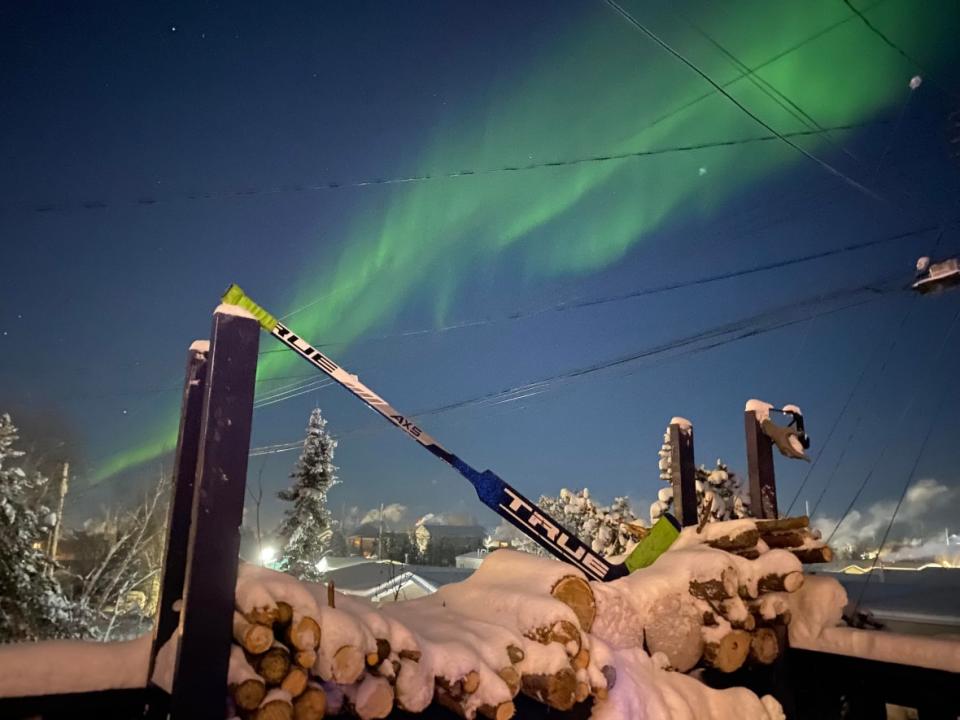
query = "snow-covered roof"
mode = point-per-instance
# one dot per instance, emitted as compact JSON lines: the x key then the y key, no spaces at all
{"x":455,"y":531}
{"x":368,"y":530}
{"x":360,"y":578}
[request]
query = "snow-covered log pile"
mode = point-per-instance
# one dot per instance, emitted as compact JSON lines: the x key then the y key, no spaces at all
{"x":719,"y":598}
{"x":520,"y":625}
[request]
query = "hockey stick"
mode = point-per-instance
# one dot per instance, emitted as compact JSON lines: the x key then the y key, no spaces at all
{"x":491,"y":489}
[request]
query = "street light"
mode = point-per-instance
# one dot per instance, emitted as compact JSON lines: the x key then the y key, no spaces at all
{"x":267,"y":555}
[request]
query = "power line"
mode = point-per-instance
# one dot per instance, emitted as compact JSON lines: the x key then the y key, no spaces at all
{"x":49,"y":207}
{"x":913,"y":470}
{"x":880,"y":34}
{"x":866,"y":480}
{"x":768,"y":89}
{"x":719,"y":88}
{"x":577,"y":303}
{"x":894,"y":337}
{"x":833,"y":428}
{"x":752,"y":326}
{"x":856,"y":425}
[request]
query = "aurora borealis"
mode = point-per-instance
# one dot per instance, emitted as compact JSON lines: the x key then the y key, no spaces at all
{"x":584,"y":84}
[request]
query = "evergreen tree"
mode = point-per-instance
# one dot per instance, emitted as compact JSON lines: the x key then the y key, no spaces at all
{"x":32,"y":604}
{"x":338,"y":544}
{"x":306,"y":529}
{"x":610,"y":530}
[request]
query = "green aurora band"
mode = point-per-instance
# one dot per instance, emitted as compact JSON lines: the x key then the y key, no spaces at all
{"x":598,"y":86}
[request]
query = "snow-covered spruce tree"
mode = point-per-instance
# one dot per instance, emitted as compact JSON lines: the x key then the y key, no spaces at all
{"x":605,"y":528}
{"x":307,"y":528}
{"x":728,"y":498}
{"x":505,"y":533}
{"x":32,"y":604}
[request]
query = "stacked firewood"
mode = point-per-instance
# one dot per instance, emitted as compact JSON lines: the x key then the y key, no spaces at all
{"x":542,"y":623}
{"x":754,"y":537}
{"x":271,"y":664}
{"x":471,"y":648}
{"x":520,"y":624}
{"x":735,"y":609}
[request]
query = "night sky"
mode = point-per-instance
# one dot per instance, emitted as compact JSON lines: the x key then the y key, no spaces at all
{"x":439,"y":192}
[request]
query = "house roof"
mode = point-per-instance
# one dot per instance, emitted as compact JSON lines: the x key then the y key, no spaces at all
{"x":455,"y":531}
{"x":367,"y":530}
{"x":372,"y":530}
{"x":364,"y":577}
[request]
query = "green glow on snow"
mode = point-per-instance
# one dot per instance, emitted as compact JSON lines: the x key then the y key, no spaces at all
{"x":601,"y":87}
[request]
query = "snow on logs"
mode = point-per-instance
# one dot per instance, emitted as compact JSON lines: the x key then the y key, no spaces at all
{"x":519,"y":624}
{"x":718,"y":598}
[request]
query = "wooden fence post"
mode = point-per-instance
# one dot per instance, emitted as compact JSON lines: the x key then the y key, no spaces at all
{"x":763,"y":483}
{"x":683,"y":473}
{"x":206,"y":619}
{"x":181,"y":500}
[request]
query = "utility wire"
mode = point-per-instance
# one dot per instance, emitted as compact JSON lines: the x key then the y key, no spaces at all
{"x":407,"y":179}
{"x":913,"y":470}
{"x":576,"y":303}
{"x":768,"y":89}
{"x":894,"y":338}
{"x":833,"y":428}
{"x":754,"y":326}
{"x":880,"y":34}
{"x":866,"y":480}
{"x":314,"y":387}
{"x":719,"y":88}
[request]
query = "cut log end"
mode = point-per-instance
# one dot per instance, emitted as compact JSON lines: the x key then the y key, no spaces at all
{"x":252,"y":637}
{"x":305,"y":658}
{"x":471,"y":682}
{"x":576,"y":594}
{"x":248,"y":694}
{"x":284,"y":614}
{"x":274,"y":710}
{"x":295,"y":682}
{"x":274,"y":665}
{"x":764,"y":647}
{"x":557,"y":690}
{"x":729,"y":653}
{"x":348,"y":664}
{"x":311,"y":705}
{"x":303,"y":634}
{"x":675,"y":629}
{"x":503,"y":711}
{"x":374,"y":699}
{"x":511,"y":677}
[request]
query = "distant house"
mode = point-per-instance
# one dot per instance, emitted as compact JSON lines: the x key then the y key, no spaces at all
{"x":440,"y":544}
{"x":388,"y":581}
{"x":365,"y":541}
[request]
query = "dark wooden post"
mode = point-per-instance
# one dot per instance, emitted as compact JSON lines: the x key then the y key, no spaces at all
{"x":206,"y":621}
{"x":683,"y":473}
{"x":181,"y":501}
{"x":763,"y":484}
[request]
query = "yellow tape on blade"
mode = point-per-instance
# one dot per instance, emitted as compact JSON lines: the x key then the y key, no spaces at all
{"x":236,"y":296}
